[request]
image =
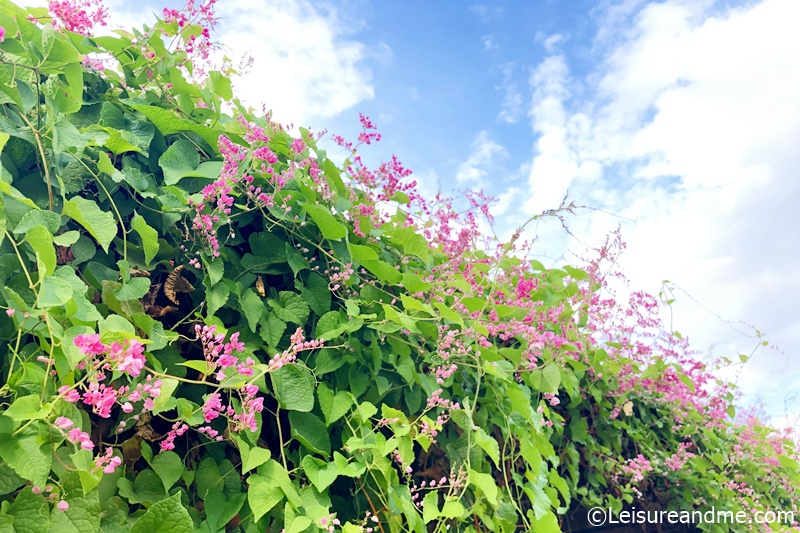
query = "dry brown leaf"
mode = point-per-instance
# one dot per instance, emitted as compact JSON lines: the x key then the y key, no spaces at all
{"x":176,"y":283}
{"x":260,"y":287}
{"x":627,"y":408}
{"x":64,"y":255}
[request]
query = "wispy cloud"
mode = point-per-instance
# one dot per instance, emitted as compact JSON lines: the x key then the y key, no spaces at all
{"x":486,"y":13}
{"x":512,"y":105}
{"x":305,"y":66}
{"x":481,"y":160}
{"x":690,"y":125}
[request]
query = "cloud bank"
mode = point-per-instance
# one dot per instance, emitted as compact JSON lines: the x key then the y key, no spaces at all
{"x":690,"y":125}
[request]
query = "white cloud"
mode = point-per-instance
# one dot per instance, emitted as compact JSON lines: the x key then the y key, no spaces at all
{"x":305,"y":67}
{"x":512,"y":96}
{"x":479,"y":164}
{"x":690,"y":125}
{"x":488,"y":43}
{"x":486,"y":13}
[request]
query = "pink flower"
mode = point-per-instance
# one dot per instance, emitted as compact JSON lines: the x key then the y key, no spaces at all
{"x":77,"y":436}
{"x":9,"y":311}
{"x":69,"y":394}
{"x":63,"y":422}
{"x":112,"y":465}
{"x":212,"y":407}
{"x":62,"y":505}
{"x":133,"y":361}
{"x":90,"y":344}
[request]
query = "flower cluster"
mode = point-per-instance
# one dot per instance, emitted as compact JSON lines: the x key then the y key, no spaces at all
{"x":678,"y":459}
{"x":196,"y":47}
{"x":107,"y":462}
{"x":101,"y":358}
{"x":298,"y":344}
{"x":637,"y":468}
{"x":219,"y":354}
{"x":52,"y":494}
{"x":79,"y":16}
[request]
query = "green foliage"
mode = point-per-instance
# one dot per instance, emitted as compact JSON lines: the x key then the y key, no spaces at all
{"x":106,"y":178}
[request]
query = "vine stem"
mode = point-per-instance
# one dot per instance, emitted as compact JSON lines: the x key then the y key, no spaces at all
{"x":21,"y":261}
{"x":372,"y":506}
{"x":113,"y":206}
{"x":280,"y":437}
{"x":38,"y":138}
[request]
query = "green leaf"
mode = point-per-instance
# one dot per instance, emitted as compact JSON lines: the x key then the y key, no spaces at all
{"x":311,"y":432}
{"x":214,"y":270}
{"x":115,"y":516}
{"x":488,"y":444}
{"x":328,"y":326}
{"x":330,"y":228}
{"x":146,"y":488}
{"x":271,"y":329}
{"x":210,"y":475}
{"x":220,"y":510}
{"x":82,"y":459}
{"x":547,"y":523}
{"x":320,"y":474}
{"x":252,"y":457}
{"x":362,"y":253}
{"x":168,"y":386}
{"x":316,"y":294}
{"x":3,"y":219}
{"x":8,"y":90}
{"x":294,"y":387}
{"x":295,"y":259}
{"x":27,"y":408}
{"x":452,"y":509}
{"x":179,"y":161}
{"x":68,"y":238}
{"x":53,"y":292}
{"x":100,"y":224}
{"x":30,"y":512}
{"x":486,"y":484}
{"x":166,"y":516}
{"x":263,"y":495}
{"x":333,"y":174}
{"x":83,"y":515}
{"x":39,"y":217}
{"x":253,"y":308}
{"x":41,"y":241}
{"x":204,"y":367}
{"x":105,"y":165}
{"x":333,"y":406}
{"x":169,"y":467}
{"x":148,"y":235}
{"x":383,"y":271}
{"x":551,"y":379}
{"x":16,"y":195}
{"x":134,"y":289}
{"x":299,"y":524}
{"x":167,"y":123}
{"x":430,"y":506}
{"x":290,"y":307}
{"x":216,"y":297}
{"x":120,"y":142}
{"x":9,"y":480}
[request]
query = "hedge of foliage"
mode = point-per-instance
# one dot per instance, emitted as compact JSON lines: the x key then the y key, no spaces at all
{"x":210,"y":325}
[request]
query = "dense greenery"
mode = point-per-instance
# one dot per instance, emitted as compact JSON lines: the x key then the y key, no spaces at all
{"x":210,"y":325}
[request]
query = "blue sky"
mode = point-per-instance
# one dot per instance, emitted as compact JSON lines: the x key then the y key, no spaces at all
{"x":681,"y":116}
